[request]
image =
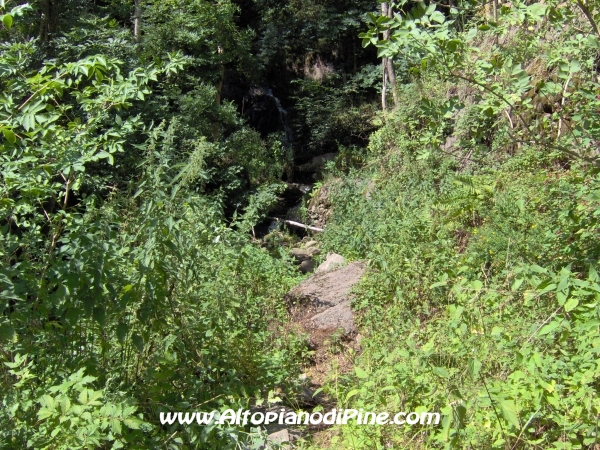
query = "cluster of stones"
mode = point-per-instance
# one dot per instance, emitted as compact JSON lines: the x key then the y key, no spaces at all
{"x":304,"y":256}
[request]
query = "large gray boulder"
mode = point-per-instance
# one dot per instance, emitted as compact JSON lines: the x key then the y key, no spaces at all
{"x":333,"y":261}
{"x":322,"y":301}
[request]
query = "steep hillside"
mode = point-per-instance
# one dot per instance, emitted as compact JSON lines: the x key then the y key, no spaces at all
{"x":477,"y":209}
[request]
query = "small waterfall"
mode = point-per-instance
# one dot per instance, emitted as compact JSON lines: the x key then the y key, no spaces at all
{"x":289,"y":137}
{"x":267,"y":115}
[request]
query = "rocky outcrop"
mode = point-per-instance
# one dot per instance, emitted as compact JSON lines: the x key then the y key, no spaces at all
{"x":319,"y":206}
{"x":322,"y":302}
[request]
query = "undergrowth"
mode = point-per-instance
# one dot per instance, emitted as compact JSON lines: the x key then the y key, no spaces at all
{"x":481,"y":298}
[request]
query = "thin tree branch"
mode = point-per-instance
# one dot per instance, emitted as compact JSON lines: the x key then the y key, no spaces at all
{"x":588,"y":14}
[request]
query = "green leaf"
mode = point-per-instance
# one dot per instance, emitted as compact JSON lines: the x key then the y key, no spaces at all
{"x":536,"y":10}
{"x":138,"y":342}
{"x":44,"y":413}
{"x":372,"y":17}
{"x":549,"y":328}
{"x":509,"y":412}
{"x":446,"y":422}
{"x":7,"y":20}
{"x":99,"y":315}
{"x":471,"y":34}
{"x":453,"y":45}
{"x":474,"y":368}
{"x":122,"y":329}
{"x":517,"y":284}
{"x":360,"y":373}
{"x":105,"y":155}
{"x":133,"y":423}
{"x":574,"y":67}
{"x":94,"y":399}
{"x":7,"y":332}
{"x":547,"y":386}
{"x":65,"y":405}
{"x":562,"y":297}
{"x":538,"y":269}
{"x":546,"y":286}
{"x":565,"y":273}
{"x":438,"y":17}
{"x":9,"y":135}
{"x":552,"y":399}
{"x":593,"y":275}
{"x":484,"y":27}
{"x":460,"y":414}
{"x":115,"y":426}
{"x":83,"y":396}
{"x":28,"y":122}
{"x":571,"y":304}
{"x":351,"y":394}
{"x":441,"y":372}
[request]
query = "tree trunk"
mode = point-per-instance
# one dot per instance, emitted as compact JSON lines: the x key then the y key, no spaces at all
{"x":49,"y":20}
{"x":392,"y":80}
{"x":384,"y":12}
{"x":45,"y":9}
{"x":137,"y":17}
{"x":220,"y":85}
{"x":391,"y":71}
{"x":215,"y":125}
{"x":384,"y":86}
{"x":387,"y":63}
{"x":354,"y":56}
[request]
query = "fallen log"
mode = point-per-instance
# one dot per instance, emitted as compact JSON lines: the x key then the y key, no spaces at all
{"x":297,"y":224}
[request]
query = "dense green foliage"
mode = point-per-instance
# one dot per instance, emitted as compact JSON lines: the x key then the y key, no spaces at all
{"x":132,"y":180}
{"x":478,"y":214}
{"x":126,"y":289}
